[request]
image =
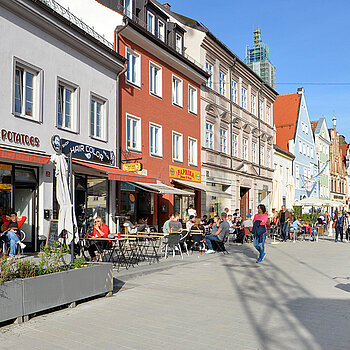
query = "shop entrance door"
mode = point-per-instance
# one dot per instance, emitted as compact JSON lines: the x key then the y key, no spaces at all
{"x":244,"y":202}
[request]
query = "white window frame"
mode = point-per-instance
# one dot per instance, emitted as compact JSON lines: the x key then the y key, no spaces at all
{"x":234,"y":91}
{"x":209,"y":69}
{"x":254,"y":152}
{"x":161,"y":36}
{"x":37,"y":86}
{"x":180,"y":151}
{"x":308,"y":150}
{"x":192,"y":99}
{"x":303,"y":127}
{"x":209,"y":141}
{"x":222,"y":77}
{"x":159,"y":138}
{"x":261,"y":108}
{"x":137,"y":69}
{"x":158,"y":79}
{"x":234,"y":145}
{"x":74,"y":90}
{"x":126,"y":11}
{"x":304,"y":149}
{"x":244,"y":98}
{"x":306,"y":129}
{"x":103,"y":114}
{"x":262,"y":155}
{"x":300,"y":147}
{"x":223,"y":140}
{"x":150,"y":28}
{"x":245,"y":148}
{"x":297,"y":172}
{"x":138,"y":147}
{"x":269,"y":159}
{"x":268,"y":114}
{"x":177,"y":97}
{"x":179,"y":48}
{"x":312,"y":153}
{"x":252,"y":104}
{"x":192,"y":158}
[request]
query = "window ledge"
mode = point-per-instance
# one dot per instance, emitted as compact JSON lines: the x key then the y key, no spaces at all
{"x":98,"y":139}
{"x":134,"y":150}
{"x":68,"y":130}
{"x":155,"y":95}
{"x":26,"y":117}
{"x":177,"y":105}
{"x":178,"y":161}
{"x":194,"y":165}
{"x":137,"y":86}
{"x":159,"y":156}
{"x":193,"y":113}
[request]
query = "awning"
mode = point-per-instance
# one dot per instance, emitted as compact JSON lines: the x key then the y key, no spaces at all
{"x":202,"y":187}
{"x":163,"y":189}
{"x":24,"y":157}
{"x":117,"y":174}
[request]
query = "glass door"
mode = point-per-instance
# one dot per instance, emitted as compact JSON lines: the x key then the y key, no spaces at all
{"x":5,"y":191}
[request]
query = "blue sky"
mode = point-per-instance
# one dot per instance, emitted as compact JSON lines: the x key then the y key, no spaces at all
{"x":308,"y":41}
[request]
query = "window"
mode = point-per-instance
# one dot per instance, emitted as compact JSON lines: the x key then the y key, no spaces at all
{"x":306,"y":129}
{"x":155,"y":79}
{"x":245,"y":149}
{"x":269,"y":158}
{"x":177,"y":147}
{"x":234,"y":92}
{"x":150,"y":22}
{"x":133,"y":74}
{"x":297,"y":172}
{"x":308,"y":150}
{"x":222,"y":83}
{"x":235,"y":145}
{"x":223,"y":141}
{"x":244,"y":98}
{"x":178,"y":43}
{"x":177,"y":91}
{"x":252,"y":104}
{"x":128,"y":8}
{"x":155,"y":140}
{"x":133,"y":133}
{"x":300,"y":147}
{"x":254,"y":152}
{"x":312,"y":152}
{"x":209,"y":68}
{"x":261,"y":104}
{"x":97,"y":118}
{"x":304,"y":149}
{"x":192,"y":151}
{"x":65,"y":107}
{"x":268,"y":114}
{"x":192,"y":99}
{"x":161,"y":30}
{"x":209,"y":135}
{"x":262,"y":155}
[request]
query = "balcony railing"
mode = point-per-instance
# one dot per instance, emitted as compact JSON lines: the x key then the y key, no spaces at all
{"x":75,"y":20}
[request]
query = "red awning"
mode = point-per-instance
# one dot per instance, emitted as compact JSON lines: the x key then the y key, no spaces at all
{"x":24,"y":157}
{"x":118,"y":174}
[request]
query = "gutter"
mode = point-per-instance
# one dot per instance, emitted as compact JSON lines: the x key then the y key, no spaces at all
{"x":259,"y":127}
{"x":117,"y":31}
{"x":231,"y":107}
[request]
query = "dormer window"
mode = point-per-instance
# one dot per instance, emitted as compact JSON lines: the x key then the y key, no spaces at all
{"x":161,"y":30}
{"x":178,"y":42}
{"x":151,"y":22}
{"x":128,"y":8}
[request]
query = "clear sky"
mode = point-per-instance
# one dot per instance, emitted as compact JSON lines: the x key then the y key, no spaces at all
{"x":308,"y":41}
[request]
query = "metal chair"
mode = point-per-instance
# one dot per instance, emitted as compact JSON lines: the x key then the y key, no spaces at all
{"x":183,"y":238}
{"x":172,"y":242}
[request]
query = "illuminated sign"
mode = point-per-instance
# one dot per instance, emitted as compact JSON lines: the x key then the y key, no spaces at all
{"x":184,"y":174}
{"x":132,"y":167}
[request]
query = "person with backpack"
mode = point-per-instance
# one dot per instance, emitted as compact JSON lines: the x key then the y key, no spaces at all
{"x":260,"y":231}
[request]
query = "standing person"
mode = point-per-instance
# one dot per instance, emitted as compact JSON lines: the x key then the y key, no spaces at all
{"x":284,"y":217}
{"x":101,"y":230}
{"x":191,"y":211}
{"x":259,"y":231}
{"x":347,"y":226}
{"x":327,"y":220}
{"x":339,"y":225}
{"x":236,"y":213}
{"x":227,"y":211}
{"x":219,"y":235}
{"x":13,"y":234}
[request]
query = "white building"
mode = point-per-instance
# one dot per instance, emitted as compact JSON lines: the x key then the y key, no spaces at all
{"x":57,"y":79}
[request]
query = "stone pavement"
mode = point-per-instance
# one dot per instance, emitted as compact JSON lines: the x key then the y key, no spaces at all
{"x":297,"y":299}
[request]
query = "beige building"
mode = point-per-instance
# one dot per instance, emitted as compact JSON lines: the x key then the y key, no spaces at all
{"x":237,"y":130}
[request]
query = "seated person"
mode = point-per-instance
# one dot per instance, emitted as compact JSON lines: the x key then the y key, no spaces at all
{"x":166,"y":228}
{"x":248,"y":222}
{"x":205,"y":220}
{"x":230,"y":222}
{"x":218,"y":233}
{"x":100,"y":231}
{"x":197,"y":225}
{"x":190,"y":222}
{"x":307,"y":228}
{"x":131,"y":228}
{"x":12,"y":234}
{"x":175,"y":225}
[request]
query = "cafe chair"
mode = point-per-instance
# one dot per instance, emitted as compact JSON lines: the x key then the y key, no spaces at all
{"x":183,"y":240}
{"x":219,"y":246}
{"x":172,"y":242}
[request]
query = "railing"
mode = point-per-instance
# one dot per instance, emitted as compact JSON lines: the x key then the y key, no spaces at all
{"x":75,"y":20}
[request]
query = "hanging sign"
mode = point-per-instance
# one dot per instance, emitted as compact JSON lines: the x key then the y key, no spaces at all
{"x":132,"y":167}
{"x":184,"y":174}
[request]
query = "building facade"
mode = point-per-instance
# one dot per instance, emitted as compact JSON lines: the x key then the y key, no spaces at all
{"x":322,"y":143}
{"x":294,"y":135}
{"x":236,"y":124}
{"x":58,"y":80}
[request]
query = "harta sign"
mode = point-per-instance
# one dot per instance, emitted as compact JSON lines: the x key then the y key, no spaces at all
{"x":184,"y":174}
{"x":132,"y":167}
{"x":87,"y":152}
{"x":19,"y":139}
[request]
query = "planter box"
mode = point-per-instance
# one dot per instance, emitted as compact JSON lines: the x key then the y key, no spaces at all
{"x":27,"y":296}
{"x":11,"y":300}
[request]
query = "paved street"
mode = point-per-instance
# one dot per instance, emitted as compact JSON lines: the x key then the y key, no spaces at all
{"x":297,"y":299}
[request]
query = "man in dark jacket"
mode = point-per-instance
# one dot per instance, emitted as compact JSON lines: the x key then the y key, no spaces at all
{"x":284,"y":218}
{"x":339,"y":219}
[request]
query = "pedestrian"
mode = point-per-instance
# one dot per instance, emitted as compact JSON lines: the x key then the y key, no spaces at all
{"x":284,"y":217}
{"x":259,"y":231}
{"x":347,"y":226}
{"x":338,"y":222}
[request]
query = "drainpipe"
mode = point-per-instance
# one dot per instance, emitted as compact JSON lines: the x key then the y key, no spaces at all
{"x":259,"y":128}
{"x":231,"y":107}
{"x":117,"y":31}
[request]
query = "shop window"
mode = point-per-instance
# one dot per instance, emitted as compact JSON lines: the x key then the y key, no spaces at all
{"x":97,"y":198}
{"x":5,"y":190}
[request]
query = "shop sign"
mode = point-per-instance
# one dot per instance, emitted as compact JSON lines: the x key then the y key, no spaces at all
{"x":184,"y":174}
{"x":124,"y":186}
{"x":132,"y":167}
{"x":82,"y":151}
{"x":19,"y":139}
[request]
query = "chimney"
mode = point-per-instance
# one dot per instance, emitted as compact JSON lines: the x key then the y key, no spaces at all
{"x":334,"y":122}
{"x":301,"y":91}
{"x":167,"y":6}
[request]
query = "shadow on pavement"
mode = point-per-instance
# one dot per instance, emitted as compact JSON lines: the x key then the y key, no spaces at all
{"x":343,"y":286}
